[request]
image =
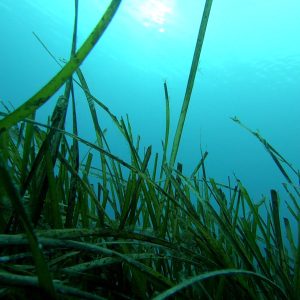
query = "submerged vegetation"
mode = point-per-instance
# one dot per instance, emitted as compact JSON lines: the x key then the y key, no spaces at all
{"x":138,"y":233}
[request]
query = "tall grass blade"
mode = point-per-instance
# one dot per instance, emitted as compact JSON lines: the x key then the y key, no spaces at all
{"x":75,"y":154}
{"x":278,"y":234}
{"x":190,"y":84}
{"x":167,"y":132}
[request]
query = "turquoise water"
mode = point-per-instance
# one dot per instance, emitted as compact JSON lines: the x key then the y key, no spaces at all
{"x":249,"y":68}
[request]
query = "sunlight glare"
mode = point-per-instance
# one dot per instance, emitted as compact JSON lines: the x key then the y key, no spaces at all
{"x":153,"y":13}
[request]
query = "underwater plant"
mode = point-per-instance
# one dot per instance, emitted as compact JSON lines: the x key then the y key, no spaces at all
{"x":140,"y":232}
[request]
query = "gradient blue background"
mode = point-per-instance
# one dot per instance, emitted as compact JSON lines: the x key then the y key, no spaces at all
{"x":249,"y":68}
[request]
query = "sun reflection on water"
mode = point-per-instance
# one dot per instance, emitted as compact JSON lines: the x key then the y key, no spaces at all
{"x":152,"y":13}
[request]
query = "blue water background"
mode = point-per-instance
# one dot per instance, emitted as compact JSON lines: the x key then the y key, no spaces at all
{"x":249,"y":68}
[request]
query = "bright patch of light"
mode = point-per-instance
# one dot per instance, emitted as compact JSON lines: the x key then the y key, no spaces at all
{"x":152,"y":13}
{"x":155,"y":11}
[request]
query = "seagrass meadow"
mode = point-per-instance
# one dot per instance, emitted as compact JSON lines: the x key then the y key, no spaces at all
{"x":88,"y":224}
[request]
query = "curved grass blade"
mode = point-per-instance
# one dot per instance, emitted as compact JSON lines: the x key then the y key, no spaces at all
{"x":32,"y":281}
{"x":276,"y":156}
{"x":227,"y":272}
{"x":60,"y":78}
